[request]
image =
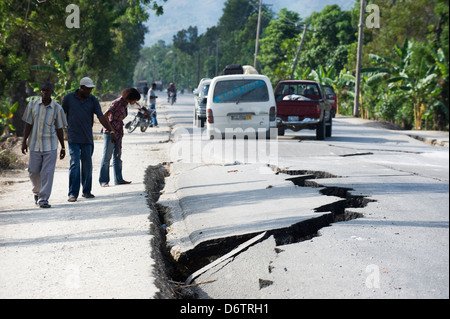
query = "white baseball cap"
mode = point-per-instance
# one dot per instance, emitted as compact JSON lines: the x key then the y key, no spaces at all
{"x":87,"y":82}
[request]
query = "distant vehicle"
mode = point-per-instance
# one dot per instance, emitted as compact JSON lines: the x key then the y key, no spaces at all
{"x":331,"y":97}
{"x":141,"y":85}
{"x":196,"y":91}
{"x":303,"y":105}
{"x":200,"y":99}
{"x":159,"y":85}
{"x":240,"y":105}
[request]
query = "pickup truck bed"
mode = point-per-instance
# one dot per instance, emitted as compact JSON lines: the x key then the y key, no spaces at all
{"x":301,"y":105}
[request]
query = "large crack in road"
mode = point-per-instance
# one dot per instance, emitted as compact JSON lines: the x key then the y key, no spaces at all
{"x":171,"y":274}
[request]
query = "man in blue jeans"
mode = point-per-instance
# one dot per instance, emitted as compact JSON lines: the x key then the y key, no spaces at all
{"x":80,"y":108}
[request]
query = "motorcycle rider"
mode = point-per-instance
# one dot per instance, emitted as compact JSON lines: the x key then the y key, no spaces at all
{"x":172,"y":89}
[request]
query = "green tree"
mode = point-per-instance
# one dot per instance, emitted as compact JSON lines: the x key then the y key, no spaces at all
{"x":439,"y":48}
{"x":237,"y":31}
{"x":413,"y":76}
{"x":110,"y":33}
{"x":331,"y":33}
{"x":399,"y":20}
{"x":57,"y":67}
{"x":187,"y":43}
{"x":150,"y":65}
{"x":273,"y":49}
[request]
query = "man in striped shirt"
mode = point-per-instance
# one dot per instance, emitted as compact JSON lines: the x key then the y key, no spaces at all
{"x":45,"y":120}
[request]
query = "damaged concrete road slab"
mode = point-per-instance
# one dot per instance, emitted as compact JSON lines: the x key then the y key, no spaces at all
{"x":391,"y":240}
{"x":239,"y":276}
{"x":217,"y":203}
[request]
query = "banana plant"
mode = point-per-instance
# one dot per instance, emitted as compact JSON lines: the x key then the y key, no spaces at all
{"x":442,"y":67}
{"x":410,"y":74}
{"x":63,"y":85}
{"x":326,"y":77}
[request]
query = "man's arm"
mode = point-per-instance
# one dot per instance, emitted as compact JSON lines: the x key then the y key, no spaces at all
{"x":60,"y":134}
{"x":104,"y":121}
{"x":26,"y":133}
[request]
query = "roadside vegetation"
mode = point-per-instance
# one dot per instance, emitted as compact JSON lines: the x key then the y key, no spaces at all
{"x":39,"y":41}
{"x":405,"y":76}
{"x":405,"y":61}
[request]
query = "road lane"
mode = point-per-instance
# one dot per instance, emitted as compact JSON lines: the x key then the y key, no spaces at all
{"x":399,"y":249}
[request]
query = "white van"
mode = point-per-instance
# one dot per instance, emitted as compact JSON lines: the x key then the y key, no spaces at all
{"x":240,"y":105}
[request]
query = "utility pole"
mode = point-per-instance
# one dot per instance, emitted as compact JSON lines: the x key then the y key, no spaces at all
{"x":359,"y":58}
{"x":298,"y":51}
{"x":217,"y":57}
{"x":257,"y":35}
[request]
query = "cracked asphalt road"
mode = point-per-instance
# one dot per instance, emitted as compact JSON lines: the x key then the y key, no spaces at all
{"x":398,"y":249}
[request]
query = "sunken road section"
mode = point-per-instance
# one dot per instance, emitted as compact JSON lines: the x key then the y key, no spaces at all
{"x":170,"y":274}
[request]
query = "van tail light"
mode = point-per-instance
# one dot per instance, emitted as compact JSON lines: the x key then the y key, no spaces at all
{"x":210,"y":116}
{"x":272,"y":114}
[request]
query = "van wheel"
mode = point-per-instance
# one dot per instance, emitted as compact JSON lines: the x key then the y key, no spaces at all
{"x":281,"y":131}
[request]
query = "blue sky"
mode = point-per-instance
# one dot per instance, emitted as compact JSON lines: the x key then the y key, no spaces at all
{"x":180,"y":14}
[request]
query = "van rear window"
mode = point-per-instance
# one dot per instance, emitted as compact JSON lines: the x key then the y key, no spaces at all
{"x":233,"y":91}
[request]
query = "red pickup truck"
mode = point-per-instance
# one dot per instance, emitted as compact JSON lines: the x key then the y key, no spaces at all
{"x":303,"y":105}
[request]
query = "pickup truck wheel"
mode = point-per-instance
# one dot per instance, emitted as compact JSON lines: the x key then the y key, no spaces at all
{"x":329,"y":127}
{"x":320,"y":131}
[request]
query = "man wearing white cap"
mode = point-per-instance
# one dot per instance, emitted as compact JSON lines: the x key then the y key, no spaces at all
{"x":80,"y":108}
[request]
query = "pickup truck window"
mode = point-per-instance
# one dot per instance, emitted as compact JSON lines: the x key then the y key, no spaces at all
{"x":309,"y":91}
{"x":235,"y":91}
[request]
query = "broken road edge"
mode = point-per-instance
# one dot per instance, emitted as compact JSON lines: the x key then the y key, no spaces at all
{"x":175,"y":277}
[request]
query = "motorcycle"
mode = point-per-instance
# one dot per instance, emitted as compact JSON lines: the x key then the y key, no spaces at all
{"x":172,"y":98}
{"x":142,"y":119}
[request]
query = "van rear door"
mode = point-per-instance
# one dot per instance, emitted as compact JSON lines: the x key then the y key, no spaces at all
{"x":241,"y":102}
